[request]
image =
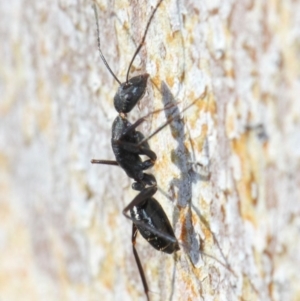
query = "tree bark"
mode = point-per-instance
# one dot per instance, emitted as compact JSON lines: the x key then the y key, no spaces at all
{"x":227,"y":167}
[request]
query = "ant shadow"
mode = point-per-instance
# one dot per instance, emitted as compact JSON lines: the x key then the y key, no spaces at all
{"x":183,"y":159}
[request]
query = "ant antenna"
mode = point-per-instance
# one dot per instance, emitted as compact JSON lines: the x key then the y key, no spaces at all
{"x":99,"y":48}
{"x":143,"y":39}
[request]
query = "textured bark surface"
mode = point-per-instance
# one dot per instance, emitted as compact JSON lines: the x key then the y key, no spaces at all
{"x":228,"y":170}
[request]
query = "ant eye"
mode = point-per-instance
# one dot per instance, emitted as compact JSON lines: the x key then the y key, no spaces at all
{"x":128,"y":96}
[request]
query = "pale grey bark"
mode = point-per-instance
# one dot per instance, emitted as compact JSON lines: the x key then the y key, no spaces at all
{"x":228,"y":171}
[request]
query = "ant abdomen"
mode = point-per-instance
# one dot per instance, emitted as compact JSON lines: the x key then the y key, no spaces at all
{"x":151,"y":213}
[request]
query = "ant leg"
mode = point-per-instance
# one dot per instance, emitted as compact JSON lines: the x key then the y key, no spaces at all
{"x":139,"y":200}
{"x":148,"y":179}
{"x":169,"y":120}
{"x":143,"y":146}
{"x":142,"y":142}
{"x":137,"y":149}
{"x":137,"y":260}
{"x":132,"y":127}
{"x":140,"y":137}
{"x":144,"y":149}
{"x":107,"y":162}
{"x":147,"y":163}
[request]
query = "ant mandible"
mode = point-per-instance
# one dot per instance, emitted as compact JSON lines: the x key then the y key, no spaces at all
{"x":128,"y":144}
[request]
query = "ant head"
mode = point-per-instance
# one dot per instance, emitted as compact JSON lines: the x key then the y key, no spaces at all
{"x":130,"y":92}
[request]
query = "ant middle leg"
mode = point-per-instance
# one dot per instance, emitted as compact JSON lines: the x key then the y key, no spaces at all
{"x":147,"y":180}
{"x":106,"y":162}
{"x":134,"y":148}
{"x":140,"y":146}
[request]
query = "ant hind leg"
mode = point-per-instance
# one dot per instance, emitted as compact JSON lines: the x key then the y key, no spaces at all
{"x":138,"y":262}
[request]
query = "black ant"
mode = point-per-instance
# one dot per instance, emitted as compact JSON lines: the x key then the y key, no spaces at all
{"x":128,"y":144}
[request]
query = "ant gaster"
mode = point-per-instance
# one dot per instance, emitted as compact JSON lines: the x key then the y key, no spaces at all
{"x":128,"y":144}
